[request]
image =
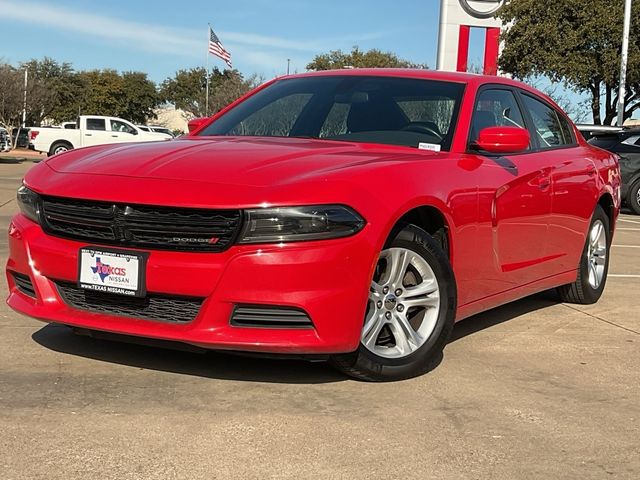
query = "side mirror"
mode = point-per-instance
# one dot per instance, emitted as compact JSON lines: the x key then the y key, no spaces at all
{"x":196,"y":123}
{"x":502,"y":140}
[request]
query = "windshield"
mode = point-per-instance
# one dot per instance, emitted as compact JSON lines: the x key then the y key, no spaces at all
{"x":387,"y":110}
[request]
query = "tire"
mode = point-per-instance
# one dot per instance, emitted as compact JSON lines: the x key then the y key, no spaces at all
{"x":594,"y":263}
{"x":409,"y":319}
{"x":60,"y":147}
{"x":633,"y":197}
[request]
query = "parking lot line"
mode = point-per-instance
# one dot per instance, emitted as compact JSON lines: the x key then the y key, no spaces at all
{"x":619,"y":275}
{"x":628,"y":221}
{"x":628,"y":229}
{"x":626,"y":246}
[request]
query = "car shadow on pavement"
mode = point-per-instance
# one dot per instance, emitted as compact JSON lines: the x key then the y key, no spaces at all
{"x":183,"y":359}
{"x":502,"y":314}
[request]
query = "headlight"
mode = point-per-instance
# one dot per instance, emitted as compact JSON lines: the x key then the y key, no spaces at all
{"x":29,"y":203}
{"x":292,"y":224}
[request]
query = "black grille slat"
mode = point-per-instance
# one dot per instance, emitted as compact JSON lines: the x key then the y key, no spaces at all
{"x":156,"y":307}
{"x":24,"y":284}
{"x":141,"y":226}
{"x":270,"y":317}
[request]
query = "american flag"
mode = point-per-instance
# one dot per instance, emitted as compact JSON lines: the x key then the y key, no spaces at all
{"x":217,"y":49}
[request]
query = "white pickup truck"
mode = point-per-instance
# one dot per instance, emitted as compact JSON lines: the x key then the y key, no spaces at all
{"x":90,"y":130}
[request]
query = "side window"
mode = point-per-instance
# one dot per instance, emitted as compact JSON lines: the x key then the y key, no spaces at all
{"x":118,"y":126}
{"x":96,"y":124}
{"x":495,"y":108}
{"x":550,"y":128}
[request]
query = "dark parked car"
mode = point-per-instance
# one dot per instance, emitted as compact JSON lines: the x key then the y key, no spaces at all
{"x":589,"y":131}
{"x":23,"y":137}
{"x":625,"y":143}
{"x":5,"y":140}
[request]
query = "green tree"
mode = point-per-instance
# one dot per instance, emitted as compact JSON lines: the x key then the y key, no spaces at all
{"x":11,"y":96}
{"x":103,"y":93}
{"x":50,"y":86}
{"x":357,"y":58}
{"x":577,"y":43}
{"x":187,"y":89}
{"x":140,"y":97}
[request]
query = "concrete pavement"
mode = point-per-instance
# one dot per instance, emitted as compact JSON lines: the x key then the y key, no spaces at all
{"x":535,"y":389}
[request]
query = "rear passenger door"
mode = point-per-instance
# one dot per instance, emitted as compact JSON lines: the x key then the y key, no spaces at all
{"x":573,"y":182}
{"x":95,"y":132}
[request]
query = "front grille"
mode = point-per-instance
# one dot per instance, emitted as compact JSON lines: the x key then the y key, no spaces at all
{"x":24,"y":284}
{"x":258,"y":316}
{"x":164,"y":308}
{"x":141,"y":226}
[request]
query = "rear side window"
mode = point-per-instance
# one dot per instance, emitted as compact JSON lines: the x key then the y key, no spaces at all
{"x":495,"y":108}
{"x":550,"y":128}
{"x":96,"y":124}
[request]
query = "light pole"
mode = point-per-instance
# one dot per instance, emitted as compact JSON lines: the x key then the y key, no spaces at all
{"x":623,"y":62}
{"x":24,"y":103}
{"x":288,"y":65}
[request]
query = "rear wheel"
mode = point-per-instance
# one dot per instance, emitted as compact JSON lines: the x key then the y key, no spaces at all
{"x":410,"y":311}
{"x":60,"y":147}
{"x":633,"y":198}
{"x":594,"y":263}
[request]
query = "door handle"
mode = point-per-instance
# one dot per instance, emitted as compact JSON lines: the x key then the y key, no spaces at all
{"x":591,"y":171}
{"x":543,"y":182}
{"x":88,"y":134}
{"x":114,"y":136}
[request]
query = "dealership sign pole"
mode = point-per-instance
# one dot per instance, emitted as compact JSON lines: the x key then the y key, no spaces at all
{"x":457,"y":18}
{"x":623,"y":62}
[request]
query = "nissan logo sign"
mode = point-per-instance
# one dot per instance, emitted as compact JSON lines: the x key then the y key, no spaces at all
{"x":481,"y":8}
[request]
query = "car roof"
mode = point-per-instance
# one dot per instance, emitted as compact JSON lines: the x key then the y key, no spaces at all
{"x":472,"y":79}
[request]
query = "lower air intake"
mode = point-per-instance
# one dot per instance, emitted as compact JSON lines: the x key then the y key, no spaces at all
{"x":163,"y":308}
{"x":254,"y":316}
{"x":23,"y":283}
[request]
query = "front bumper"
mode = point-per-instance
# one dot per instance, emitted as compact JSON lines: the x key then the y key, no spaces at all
{"x":329,"y":280}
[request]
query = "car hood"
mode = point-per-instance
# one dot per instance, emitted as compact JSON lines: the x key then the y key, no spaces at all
{"x":230,"y":160}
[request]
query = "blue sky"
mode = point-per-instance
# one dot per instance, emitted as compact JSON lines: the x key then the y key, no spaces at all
{"x":160,"y":37}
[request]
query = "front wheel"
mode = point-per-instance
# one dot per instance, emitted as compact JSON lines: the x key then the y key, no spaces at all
{"x":410,"y":311}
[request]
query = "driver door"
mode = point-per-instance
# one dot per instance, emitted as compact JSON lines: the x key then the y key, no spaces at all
{"x":514,"y":196}
{"x":122,"y":131}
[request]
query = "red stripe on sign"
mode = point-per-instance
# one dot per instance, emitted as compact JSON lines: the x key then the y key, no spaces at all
{"x":463,"y":48}
{"x":491,"y":51}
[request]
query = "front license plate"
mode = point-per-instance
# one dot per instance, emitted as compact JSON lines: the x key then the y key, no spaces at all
{"x":112,"y":271}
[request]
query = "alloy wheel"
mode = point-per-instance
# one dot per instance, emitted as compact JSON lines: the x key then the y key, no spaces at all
{"x":403,"y":307}
{"x":597,"y":254}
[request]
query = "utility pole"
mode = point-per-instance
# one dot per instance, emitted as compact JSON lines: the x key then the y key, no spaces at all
{"x":24,"y":103}
{"x":288,"y":65}
{"x":623,"y":62}
{"x":24,"y":110}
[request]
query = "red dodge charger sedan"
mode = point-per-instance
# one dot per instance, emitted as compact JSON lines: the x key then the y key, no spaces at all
{"x":349,"y":215}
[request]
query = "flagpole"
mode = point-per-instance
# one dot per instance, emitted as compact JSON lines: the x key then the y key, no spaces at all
{"x":206,"y":106}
